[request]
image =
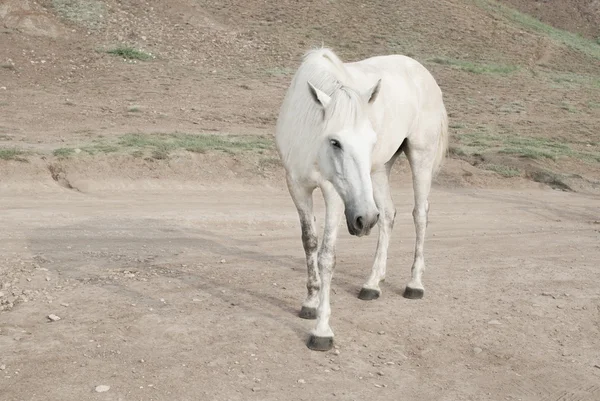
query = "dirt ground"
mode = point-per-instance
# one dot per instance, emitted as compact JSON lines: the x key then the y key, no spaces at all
{"x":170,"y":292}
{"x":179,"y":275}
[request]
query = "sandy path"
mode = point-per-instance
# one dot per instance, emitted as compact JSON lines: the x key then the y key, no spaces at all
{"x":182,"y":294}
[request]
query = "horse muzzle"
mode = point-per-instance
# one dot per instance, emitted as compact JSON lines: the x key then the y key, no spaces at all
{"x":360,"y":224}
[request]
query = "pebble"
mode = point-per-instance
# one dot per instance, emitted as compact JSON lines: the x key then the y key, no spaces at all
{"x":596,"y":365}
{"x":102,"y":388}
{"x":381,"y":373}
{"x":336,"y":352}
{"x":64,"y":304}
{"x":381,"y":332}
{"x":301,"y":381}
{"x":53,"y":317}
{"x":2,"y":367}
{"x":496,"y":322}
{"x":223,"y":261}
{"x":477,"y":350}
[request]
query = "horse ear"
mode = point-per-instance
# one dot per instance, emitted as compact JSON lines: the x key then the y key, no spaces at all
{"x":374,"y":91}
{"x":318,"y":95}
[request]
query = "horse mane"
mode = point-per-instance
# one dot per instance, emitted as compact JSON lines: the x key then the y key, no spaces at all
{"x":304,"y":118}
{"x":331,"y":76}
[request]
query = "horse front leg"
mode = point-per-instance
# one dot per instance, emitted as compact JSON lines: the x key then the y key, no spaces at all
{"x":303,"y":199}
{"x":387,"y":212}
{"x":321,"y":338}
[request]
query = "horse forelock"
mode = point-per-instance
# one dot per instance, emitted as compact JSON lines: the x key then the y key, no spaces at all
{"x":345,"y":110}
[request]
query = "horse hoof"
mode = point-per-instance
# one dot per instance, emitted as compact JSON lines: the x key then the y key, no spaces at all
{"x":308,"y":313}
{"x":413,"y":293}
{"x":368,"y":294}
{"x":320,"y":343}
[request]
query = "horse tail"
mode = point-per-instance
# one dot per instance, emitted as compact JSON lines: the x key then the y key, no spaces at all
{"x":442,"y":145}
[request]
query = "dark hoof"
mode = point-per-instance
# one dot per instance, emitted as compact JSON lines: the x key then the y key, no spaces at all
{"x":308,"y":313}
{"x":413,"y":293}
{"x":320,"y":343}
{"x":368,"y":294}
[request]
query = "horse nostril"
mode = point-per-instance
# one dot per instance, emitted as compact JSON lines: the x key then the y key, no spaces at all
{"x":359,"y":223}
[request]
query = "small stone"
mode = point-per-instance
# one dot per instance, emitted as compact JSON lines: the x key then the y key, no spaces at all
{"x":597,"y":366}
{"x":53,"y":318}
{"x":380,"y":373}
{"x":477,"y":350}
{"x":390,"y":363}
{"x":64,"y":304}
{"x":102,"y":388}
{"x":336,"y":352}
{"x":495,"y":322}
{"x":2,"y":367}
{"x":301,"y":381}
{"x":381,"y":332}
{"x":47,"y":278}
{"x":378,"y":385}
{"x":223,"y":261}
{"x":196,"y":300}
{"x":255,"y":389}
{"x":262,"y":234}
{"x":559,"y":306}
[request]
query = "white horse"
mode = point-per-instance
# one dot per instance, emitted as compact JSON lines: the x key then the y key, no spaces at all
{"x":340,"y":128}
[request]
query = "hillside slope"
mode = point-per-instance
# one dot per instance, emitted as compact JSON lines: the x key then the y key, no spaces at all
{"x":524,"y":98}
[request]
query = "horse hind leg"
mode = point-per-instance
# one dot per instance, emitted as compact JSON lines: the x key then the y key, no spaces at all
{"x":303,"y":199}
{"x":422,"y":160}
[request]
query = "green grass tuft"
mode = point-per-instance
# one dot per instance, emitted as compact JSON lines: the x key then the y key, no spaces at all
{"x":130,"y":53}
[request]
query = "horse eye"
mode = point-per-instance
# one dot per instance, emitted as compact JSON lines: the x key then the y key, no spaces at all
{"x":336,"y":144}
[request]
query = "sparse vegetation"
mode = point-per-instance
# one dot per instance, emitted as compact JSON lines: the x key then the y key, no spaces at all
{"x":134,"y":109}
{"x":569,"y":107}
{"x":12,"y":154}
{"x":100,"y":147}
{"x":130,"y":53}
{"x":569,"y":39}
{"x":505,"y":171}
{"x":160,"y":146}
{"x":483,"y":141}
{"x":549,"y":178}
{"x":475,"y":67}
{"x":89,"y":13}
{"x":63,"y":152}
{"x":165,"y":143}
